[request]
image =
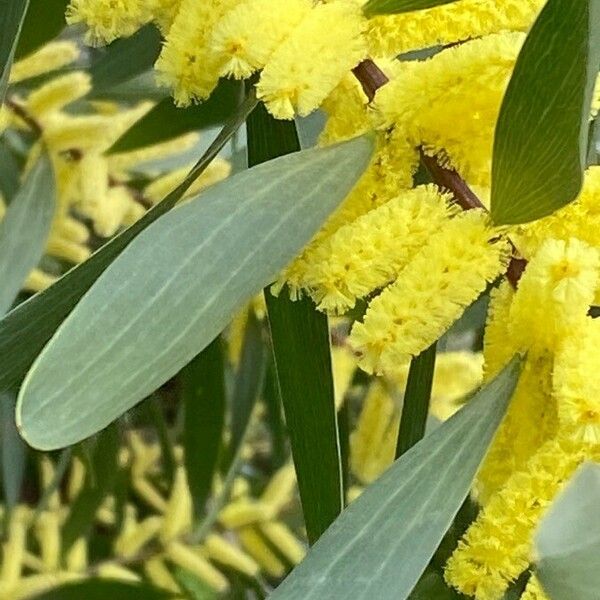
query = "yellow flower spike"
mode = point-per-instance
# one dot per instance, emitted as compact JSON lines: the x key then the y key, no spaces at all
{"x":164,"y":13}
{"x":344,"y":367}
{"x":38,"y":281}
{"x":497,"y":547}
{"x":47,"y":532}
{"x":430,"y":293}
{"x":106,"y":513}
{"x":370,"y":252}
{"x":135,"y":537}
{"x":76,"y":559}
{"x":246,"y":37}
{"x":576,"y":384}
{"x":72,"y":229}
{"x":76,"y":478}
{"x":32,"y":562}
{"x":32,"y":585}
{"x":157,"y":572}
{"x":50,"y":57}
{"x":58,"y":93}
{"x":70,"y":251}
{"x":217,"y":170}
{"x":145,"y":455}
{"x":125,"y":161}
{"x":256,"y":546}
{"x":115,"y":571}
{"x":390,"y":35}
{"x":284,"y":540}
{"x":13,"y":550}
{"x":554,"y":294}
{"x":243,"y":512}
{"x":354,"y":492}
{"x":148,"y":493}
{"x":110,"y":212}
{"x":108,"y":20}
{"x":220,"y":550}
{"x":187,"y":64}
{"x":93,"y":179}
{"x":63,"y":132}
{"x":280,"y":488}
{"x":534,"y":590}
{"x":178,"y":514}
{"x":186,"y":558}
{"x":313,"y":59}
{"x":47,"y":475}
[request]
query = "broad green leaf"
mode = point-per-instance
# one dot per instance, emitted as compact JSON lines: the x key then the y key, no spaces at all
{"x":175,"y":287}
{"x":165,"y":121}
{"x":389,"y":7}
{"x":300,"y":340}
{"x":14,"y":451}
{"x":381,"y":544}
{"x":541,"y":137}
{"x":26,"y":329}
{"x":101,"y":589}
{"x":140,"y":87}
{"x":417,"y":395}
{"x":44,"y":21}
{"x":568,"y":539}
{"x":203,"y":395}
{"x":13,"y":14}
{"x":125,"y":59}
{"x":24,"y":230}
{"x":101,"y":477}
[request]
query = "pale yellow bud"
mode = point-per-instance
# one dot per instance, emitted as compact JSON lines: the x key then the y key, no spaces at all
{"x":219,"y":549}
{"x":256,"y":546}
{"x":186,"y":558}
{"x":283,"y":539}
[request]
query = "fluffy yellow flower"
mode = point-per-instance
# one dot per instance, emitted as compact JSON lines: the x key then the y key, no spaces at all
{"x":554,"y":294}
{"x":430,"y":293}
{"x":390,"y":35}
{"x":577,"y":383}
{"x":497,"y":547}
{"x":370,"y":252}
{"x":426,"y":99}
{"x":248,"y":34}
{"x":58,"y":93}
{"x":313,"y":59}
{"x":534,"y":590}
{"x":108,"y":20}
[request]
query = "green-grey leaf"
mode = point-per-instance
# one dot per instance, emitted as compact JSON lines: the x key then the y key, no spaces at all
{"x":541,"y":137}
{"x":175,"y":287}
{"x":13,"y":14}
{"x":24,"y":230}
{"x":568,"y":539}
{"x":389,"y":7}
{"x":27,"y":328}
{"x":383,"y":541}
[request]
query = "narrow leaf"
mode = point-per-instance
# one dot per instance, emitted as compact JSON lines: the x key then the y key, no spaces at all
{"x":541,"y":137}
{"x":44,"y":21}
{"x":99,"y":482}
{"x":415,"y":407}
{"x":203,"y":396}
{"x":568,"y":539}
{"x":24,"y":230}
{"x":389,"y":7}
{"x":300,"y":340}
{"x":384,"y":540}
{"x":14,"y":452}
{"x":13,"y":14}
{"x":166,"y":121}
{"x":175,"y":287}
{"x":101,"y":589}
{"x":126,"y":58}
{"x":26,"y":329}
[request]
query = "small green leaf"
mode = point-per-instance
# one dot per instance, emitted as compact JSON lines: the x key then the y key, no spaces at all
{"x":27,"y":328}
{"x":165,"y":121}
{"x":389,"y":7}
{"x":99,"y":482}
{"x":203,"y":395}
{"x":124,"y":59}
{"x":417,"y":395}
{"x":175,"y":287}
{"x":13,"y":14}
{"x":381,"y":544}
{"x":44,"y":21}
{"x":101,"y":589}
{"x":541,"y":137}
{"x":14,"y":451}
{"x":568,"y":539}
{"x":24,"y":230}
{"x":300,"y":339}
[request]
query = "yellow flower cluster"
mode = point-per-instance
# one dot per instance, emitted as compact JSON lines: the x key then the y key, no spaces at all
{"x":93,"y":191}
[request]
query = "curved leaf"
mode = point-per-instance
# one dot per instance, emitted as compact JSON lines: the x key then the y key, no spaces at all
{"x":383,"y":541}
{"x":541,"y":138}
{"x":175,"y":287}
{"x":13,"y":16}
